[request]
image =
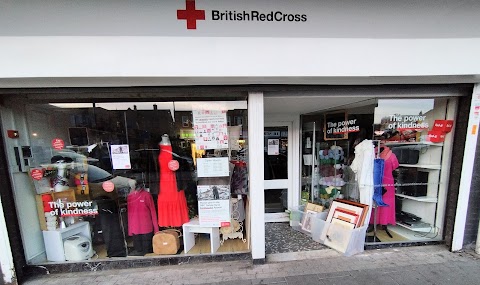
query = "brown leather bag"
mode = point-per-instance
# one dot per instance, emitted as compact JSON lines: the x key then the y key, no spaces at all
{"x":166,"y":241}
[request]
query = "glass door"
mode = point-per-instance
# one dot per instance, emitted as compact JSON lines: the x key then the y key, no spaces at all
{"x":277,"y":170}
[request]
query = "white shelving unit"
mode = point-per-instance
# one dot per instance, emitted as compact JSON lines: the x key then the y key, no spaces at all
{"x":434,"y":158}
{"x":425,"y":199}
{"x":431,"y":235}
{"x":423,"y":230}
{"x":423,"y":166}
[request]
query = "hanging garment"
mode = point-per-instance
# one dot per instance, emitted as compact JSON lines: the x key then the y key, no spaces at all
{"x":239,"y":181}
{"x":378,"y":167}
{"x":362,"y":166}
{"x":351,"y":186}
{"x":386,"y":215}
{"x":142,"y":218}
{"x":172,"y":204}
{"x":113,"y":235}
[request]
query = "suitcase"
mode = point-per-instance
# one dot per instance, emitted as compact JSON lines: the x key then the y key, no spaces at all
{"x":166,"y":241}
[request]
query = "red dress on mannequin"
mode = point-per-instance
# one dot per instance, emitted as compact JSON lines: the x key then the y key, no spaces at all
{"x":172,"y":204}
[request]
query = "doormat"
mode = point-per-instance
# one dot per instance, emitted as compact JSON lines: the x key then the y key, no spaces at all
{"x":281,"y":238}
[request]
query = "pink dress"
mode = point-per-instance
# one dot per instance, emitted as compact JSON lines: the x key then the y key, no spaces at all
{"x":386,"y":215}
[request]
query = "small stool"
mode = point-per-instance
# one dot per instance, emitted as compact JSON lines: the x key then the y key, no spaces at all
{"x":192,"y":227}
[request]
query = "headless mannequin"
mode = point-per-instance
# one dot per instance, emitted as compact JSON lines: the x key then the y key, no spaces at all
{"x":165,"y":140}
{"x":172,"y":204}
{"x":142,"y":220}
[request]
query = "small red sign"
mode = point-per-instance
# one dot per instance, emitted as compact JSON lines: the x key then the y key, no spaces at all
{"x":58,"y":144}
{"x":173,"y":165}
{"x":36,"y":174}
{"x":108,"y":186}
{"x":225,"y":224}
{"x":444,"y":126}
{"x":436,"y":137}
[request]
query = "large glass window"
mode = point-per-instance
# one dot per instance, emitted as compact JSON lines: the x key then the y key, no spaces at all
{"x":410,"y":137}
{"x":110,"y":178}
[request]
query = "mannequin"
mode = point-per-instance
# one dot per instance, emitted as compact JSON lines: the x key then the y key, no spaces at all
{"x":172,"y":204}
{"x":142,"y":220}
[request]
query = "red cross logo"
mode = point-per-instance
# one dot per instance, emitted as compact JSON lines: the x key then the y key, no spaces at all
{"x":191,"y":14}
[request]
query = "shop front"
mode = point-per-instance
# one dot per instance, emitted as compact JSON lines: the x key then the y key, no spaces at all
{"x":101,"y":182}
{"x":386,"y":148}
{"x":107,"y":183}
{"x":291,"y":89}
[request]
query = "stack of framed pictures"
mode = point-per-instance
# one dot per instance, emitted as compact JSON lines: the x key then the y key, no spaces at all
{"x":348,"y":213}
{"x":345,"y":230}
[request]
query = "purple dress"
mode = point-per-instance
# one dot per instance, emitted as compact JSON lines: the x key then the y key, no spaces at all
{"x":386,"y":214}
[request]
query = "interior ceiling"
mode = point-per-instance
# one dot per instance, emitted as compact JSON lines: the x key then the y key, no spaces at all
{"x":313,"y":104}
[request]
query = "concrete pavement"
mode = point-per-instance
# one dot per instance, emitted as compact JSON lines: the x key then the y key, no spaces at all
{"x":408,"y":265}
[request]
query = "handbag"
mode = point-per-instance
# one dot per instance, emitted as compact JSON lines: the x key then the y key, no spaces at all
{"x":166,"y":241}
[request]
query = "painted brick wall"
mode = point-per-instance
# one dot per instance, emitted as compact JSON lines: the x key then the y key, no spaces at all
{"x":471,"y":225}
{"x":456,"y":165}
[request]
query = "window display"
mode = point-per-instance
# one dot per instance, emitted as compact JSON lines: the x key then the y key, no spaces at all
{"x":113,"y":179}
{"x":389,"y":158}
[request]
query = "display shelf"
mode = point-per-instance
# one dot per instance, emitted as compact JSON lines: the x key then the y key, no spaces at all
{"x":423,"y":230}
{"x":413,"y":143}
{"x":425,"y":199}
{"x":424,"y":166}
{"x":413,"y":236}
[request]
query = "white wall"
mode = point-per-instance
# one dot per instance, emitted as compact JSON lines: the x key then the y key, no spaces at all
{"x":132,"y":43}
{"x":46,"y":61}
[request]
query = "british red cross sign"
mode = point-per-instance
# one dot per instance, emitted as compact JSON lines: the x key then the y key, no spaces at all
{"x":191,"y":14}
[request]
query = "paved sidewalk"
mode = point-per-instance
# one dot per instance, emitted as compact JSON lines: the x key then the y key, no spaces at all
{"x":409,"y":265}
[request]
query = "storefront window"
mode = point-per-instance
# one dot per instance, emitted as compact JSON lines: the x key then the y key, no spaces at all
{"x":111,"y":178}
{"x":408,"y":138}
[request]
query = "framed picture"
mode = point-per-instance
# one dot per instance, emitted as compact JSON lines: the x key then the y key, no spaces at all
{"x":314,"y":207}
{"x":348,"y":211}
{"x":338,"y":235}
{"x":307,"y":221}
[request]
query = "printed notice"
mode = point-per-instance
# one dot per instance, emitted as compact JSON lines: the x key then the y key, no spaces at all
{"x":214,"y":205}
{"x":273,"y":146}
{"x":120,"y":156}
{"x":210,"y":127}
{"x":212,"y":167}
